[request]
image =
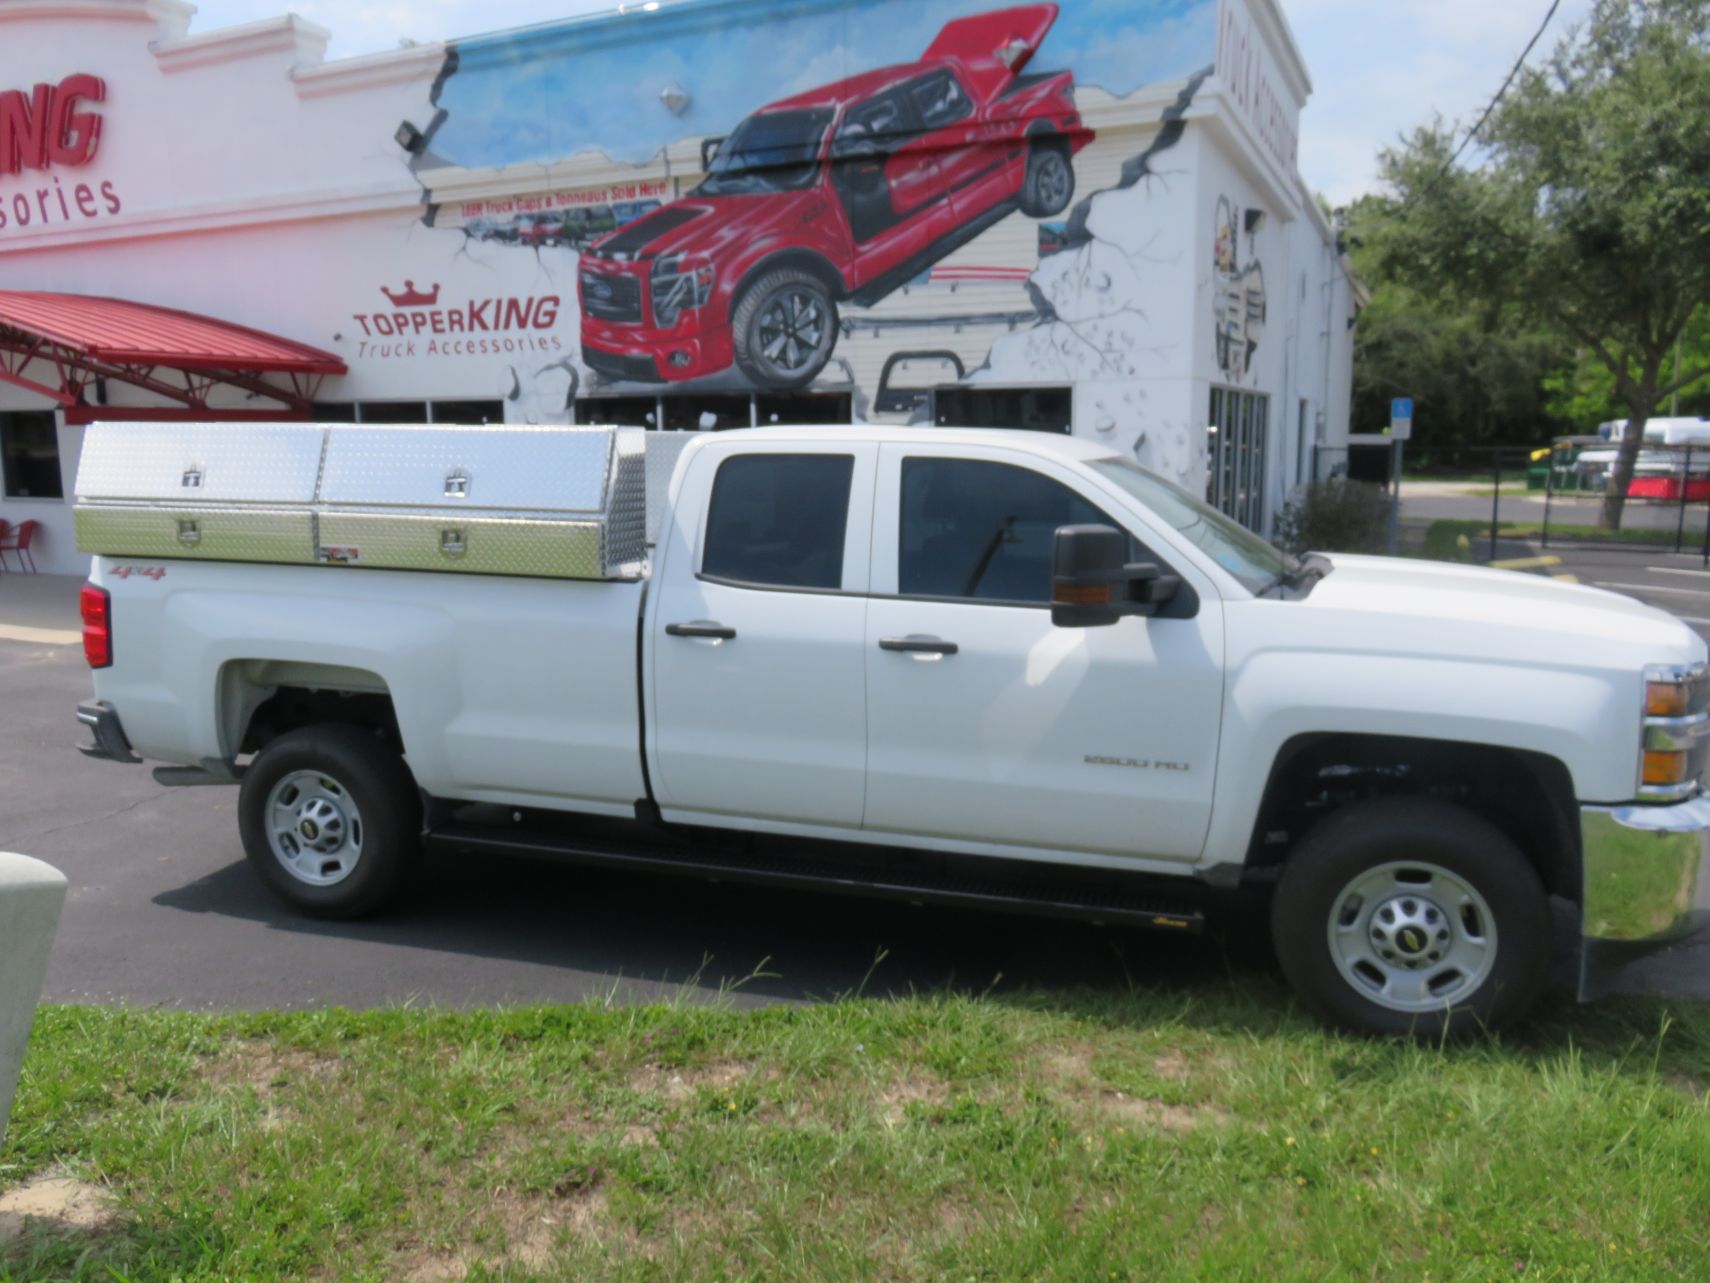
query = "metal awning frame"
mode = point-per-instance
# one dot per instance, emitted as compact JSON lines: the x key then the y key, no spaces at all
{"x":187,"y":386}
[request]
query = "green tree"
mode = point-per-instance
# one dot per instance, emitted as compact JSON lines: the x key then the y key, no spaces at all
{"x":1581,"y":393}
{"x":1590,"y":211}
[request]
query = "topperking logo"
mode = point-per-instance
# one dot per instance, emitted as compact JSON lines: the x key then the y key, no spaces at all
{"x":419,"y":322}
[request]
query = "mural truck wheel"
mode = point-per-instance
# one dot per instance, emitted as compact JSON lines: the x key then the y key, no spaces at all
{"x":784,"y":329}
{"x":1050,"y":182}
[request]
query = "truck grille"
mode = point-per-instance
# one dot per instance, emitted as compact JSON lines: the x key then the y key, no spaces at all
{"x":612,"y":297}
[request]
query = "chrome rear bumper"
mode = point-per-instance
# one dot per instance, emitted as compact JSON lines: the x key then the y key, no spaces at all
{"x":1646,"y":884}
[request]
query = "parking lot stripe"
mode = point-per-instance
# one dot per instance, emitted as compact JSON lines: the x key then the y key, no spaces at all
{"x":1676,"y":570}
{"x":1656,"y":588}
{"x":40,"y":636}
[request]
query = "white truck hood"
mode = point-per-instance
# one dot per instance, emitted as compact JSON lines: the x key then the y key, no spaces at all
{"x":1444,"y":600}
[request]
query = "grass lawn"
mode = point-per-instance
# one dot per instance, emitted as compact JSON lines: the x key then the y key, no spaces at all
{"x":1443,"y":537}
{"x":1210,"y":1133}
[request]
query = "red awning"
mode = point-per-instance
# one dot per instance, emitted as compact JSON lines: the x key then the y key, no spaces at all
{"x":59,"y":344}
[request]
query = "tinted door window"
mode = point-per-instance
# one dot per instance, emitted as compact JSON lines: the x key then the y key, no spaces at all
{"x":983,"y":530}
{"x":778,"y":520}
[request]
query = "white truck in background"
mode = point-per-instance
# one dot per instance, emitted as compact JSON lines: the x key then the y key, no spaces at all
{"x":996,"y":668}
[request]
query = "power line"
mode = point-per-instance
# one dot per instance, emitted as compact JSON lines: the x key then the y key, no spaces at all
{"x":1493,"y":104}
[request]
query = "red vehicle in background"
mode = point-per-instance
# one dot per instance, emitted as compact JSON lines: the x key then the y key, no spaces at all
{"x":841,"y":193}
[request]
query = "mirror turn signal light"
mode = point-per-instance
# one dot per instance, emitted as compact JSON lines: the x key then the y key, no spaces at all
{"x":1063,"y":594}
{"x":1664,"y":767}
{"x":1665,"y":699}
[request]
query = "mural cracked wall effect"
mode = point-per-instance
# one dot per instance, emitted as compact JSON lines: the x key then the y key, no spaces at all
{"x":886,"y":180}
{"x":1092,"y":296}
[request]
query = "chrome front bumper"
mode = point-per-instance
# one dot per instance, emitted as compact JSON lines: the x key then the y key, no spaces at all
{"x":1646,"y":884}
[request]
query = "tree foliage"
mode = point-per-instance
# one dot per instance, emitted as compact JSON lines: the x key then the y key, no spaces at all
{"x":1588,"y":218}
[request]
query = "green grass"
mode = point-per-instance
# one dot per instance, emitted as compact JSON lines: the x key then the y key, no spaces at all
{"x":1443,"y":537}
{"x":1207,"y":1133}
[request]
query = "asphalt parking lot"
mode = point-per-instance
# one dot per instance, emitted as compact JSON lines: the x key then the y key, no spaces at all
{"x":164,"y":911}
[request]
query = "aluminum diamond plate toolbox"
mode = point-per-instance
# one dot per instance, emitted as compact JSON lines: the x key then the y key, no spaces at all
{"x":201,"y":462}
{"x":499,"y":467}
{"x":211,"y":533}
{"x":495,"y":500}
{"x":208,"y":491}
{"x":558,"y":502}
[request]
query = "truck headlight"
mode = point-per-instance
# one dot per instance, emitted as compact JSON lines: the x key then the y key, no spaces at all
{"x":679,"y":286}
{"x":1676,"y":736}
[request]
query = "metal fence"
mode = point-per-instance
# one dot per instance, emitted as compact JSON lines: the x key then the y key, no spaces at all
{"x":1493,"y":502}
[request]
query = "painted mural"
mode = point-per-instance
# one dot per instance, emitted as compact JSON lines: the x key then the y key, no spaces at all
{"x":1238,"y":303}
{"x":866,"y":197}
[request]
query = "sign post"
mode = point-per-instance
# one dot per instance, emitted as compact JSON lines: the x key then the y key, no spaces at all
{"x":1400,"y":431}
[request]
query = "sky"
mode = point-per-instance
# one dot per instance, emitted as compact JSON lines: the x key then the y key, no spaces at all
{"x":1378,"y":67}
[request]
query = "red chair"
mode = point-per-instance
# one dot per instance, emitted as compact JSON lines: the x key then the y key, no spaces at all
{"x":19,"y":540}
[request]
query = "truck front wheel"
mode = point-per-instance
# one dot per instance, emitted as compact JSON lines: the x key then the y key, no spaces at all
{"x":331,"y":820}
{"x":1412,"y":916}
{"x":784,"y":329}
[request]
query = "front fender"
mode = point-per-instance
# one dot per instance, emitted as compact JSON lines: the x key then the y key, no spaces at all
{"x":1277,"y":695}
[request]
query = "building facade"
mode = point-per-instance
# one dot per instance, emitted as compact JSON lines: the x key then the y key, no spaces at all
{"x":1084,"y":217}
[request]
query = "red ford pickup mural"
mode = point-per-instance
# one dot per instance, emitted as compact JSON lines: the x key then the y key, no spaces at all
{"x":840,"y":194}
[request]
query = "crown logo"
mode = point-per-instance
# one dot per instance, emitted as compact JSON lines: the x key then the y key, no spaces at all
{"x":410,"y":296}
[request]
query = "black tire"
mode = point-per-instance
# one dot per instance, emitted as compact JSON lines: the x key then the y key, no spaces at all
{"x":1049,"y":184}
{"x":1391,"y":843}
{"x":770,"y":349}
{"x":380,"y":812}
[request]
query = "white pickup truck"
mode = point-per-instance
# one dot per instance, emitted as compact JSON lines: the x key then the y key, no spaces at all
{"x":952,"y":666}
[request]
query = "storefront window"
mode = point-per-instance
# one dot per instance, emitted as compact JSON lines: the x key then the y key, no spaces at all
{"x":1235,"y":481}
{"x":392,"y":412}
{"x":29,"y":443}
{"x":623,"y":411}
{"x":409,"y":411}
{"x":1031,"y":409}
{"x":716,"y":412}
{"x":708,"y":413}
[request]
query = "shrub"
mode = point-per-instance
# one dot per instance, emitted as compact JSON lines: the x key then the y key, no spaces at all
{"x":1336,"y":516}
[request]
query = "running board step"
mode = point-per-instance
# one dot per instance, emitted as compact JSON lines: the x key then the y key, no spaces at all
{"x":1122,"y":906}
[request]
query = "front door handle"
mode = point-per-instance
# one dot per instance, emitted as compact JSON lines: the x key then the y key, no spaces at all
{"x":920,"y":644}
{"x":701,"y":628}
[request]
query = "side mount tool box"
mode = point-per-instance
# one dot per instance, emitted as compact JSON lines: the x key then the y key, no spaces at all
{"x":556,"y":502}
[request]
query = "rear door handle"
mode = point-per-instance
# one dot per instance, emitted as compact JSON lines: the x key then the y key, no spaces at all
{"x":920,"y":644}
{"x":701,"y":628}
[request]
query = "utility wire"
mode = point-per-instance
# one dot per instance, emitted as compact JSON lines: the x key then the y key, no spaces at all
{"x":1492,"y":106}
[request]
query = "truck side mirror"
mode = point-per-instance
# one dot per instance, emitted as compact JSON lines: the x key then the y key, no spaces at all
{"x":1093,"y":586}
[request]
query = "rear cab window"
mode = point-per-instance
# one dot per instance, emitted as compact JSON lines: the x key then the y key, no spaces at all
{"x":779,"y":521}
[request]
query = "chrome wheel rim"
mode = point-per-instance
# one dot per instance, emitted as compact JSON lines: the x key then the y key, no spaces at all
{"x":1412,"y":936}
{"x":792,"y":327}
{"x":1052,"y":181}
{"x":314,"y":828}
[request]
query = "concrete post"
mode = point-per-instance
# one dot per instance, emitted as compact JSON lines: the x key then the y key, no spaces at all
{"x":31,"y":894}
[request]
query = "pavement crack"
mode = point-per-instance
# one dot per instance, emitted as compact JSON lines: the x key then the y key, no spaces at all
{"x":17,"y":843}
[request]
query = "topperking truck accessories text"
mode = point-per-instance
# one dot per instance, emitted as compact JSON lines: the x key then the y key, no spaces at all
{"x":974,"y":667}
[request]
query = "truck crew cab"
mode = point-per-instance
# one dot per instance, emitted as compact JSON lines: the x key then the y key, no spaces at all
{"x":961,"y":666}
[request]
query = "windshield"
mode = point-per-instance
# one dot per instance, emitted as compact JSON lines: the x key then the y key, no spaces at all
{"x":776,"y":151}
{"x":1256,"y":564}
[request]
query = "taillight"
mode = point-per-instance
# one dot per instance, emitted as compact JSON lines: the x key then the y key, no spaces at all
{"x":97,"y":608}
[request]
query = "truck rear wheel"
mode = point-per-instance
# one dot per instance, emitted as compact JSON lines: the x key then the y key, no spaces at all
{"x":1049,"y":184}
{"x":784,"y":329}
{"x":331,"y":820}
{"x":1412,"y":916}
